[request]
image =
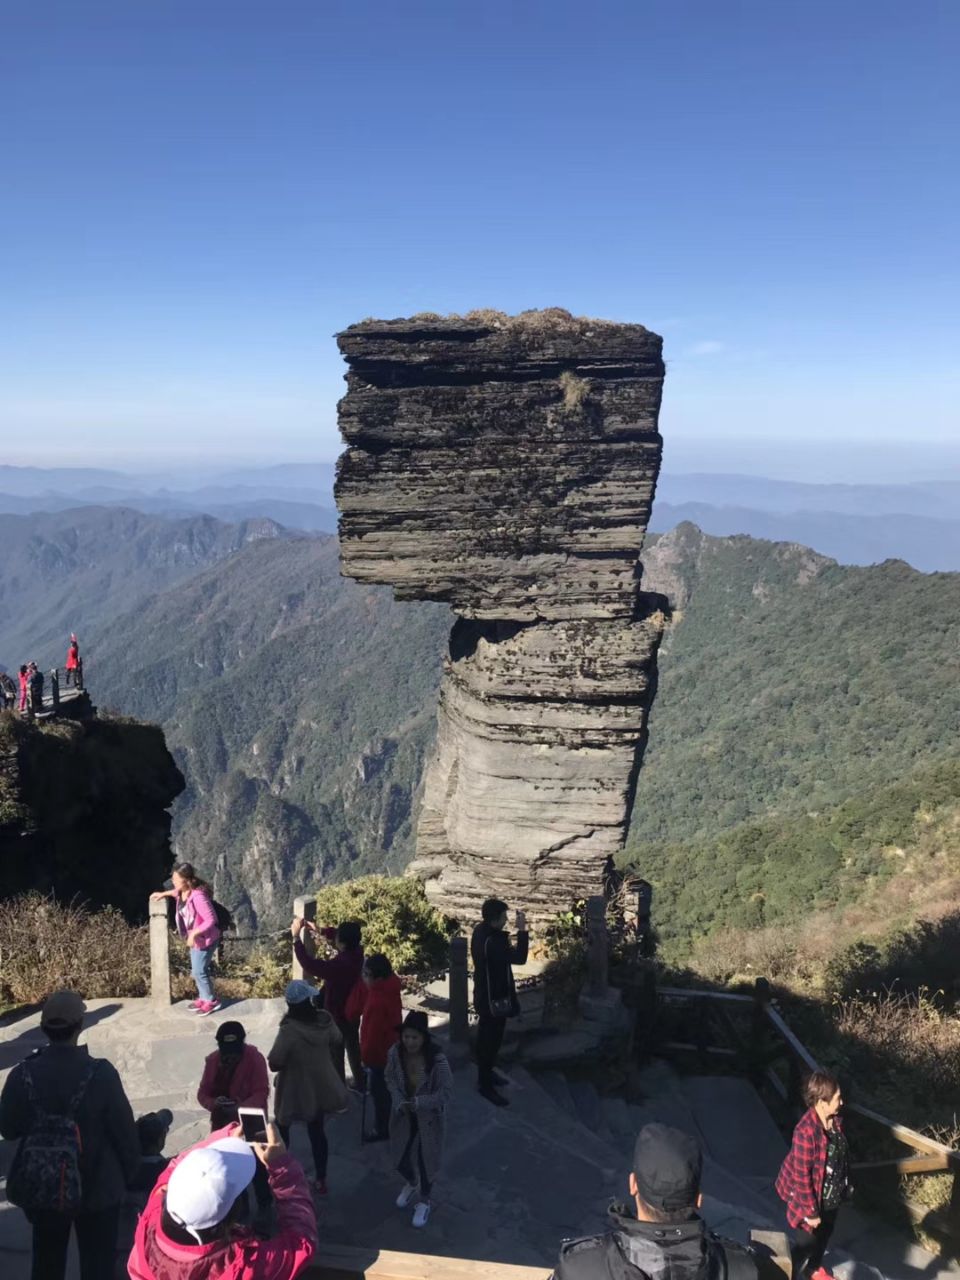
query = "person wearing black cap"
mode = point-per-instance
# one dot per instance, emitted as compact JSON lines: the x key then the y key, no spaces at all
{"x":42,"y":1095}
{"x":662,"y":1234}
{"x":152,"y":1130}
{"x":236,"y":1075}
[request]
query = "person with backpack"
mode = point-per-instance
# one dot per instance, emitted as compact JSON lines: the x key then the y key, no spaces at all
{"x":494,"y":990}
{"x":660,"y":1233}
{"x":814,"y":1178}
{"x":340,"y":975}
{"x":308,"y":1086}
{"x":78,"y":1145}
{"x":375,"y":1004}
{"x":188,"y":1230}
{"x":196,"y":918}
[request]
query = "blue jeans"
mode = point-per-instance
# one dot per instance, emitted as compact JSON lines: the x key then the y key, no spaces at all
{"x":201,"y":962}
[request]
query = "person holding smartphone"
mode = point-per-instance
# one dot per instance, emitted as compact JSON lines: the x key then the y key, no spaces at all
{"x":188,"y":1230}
{"x":494,"y":990}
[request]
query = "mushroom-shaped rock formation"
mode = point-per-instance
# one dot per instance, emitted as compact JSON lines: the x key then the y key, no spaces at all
{"x":507,"y":465}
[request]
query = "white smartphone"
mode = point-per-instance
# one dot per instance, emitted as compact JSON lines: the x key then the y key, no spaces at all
{"x":253,"y":1122}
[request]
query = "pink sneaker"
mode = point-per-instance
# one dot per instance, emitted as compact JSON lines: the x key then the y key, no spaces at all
{"x":319,"y":1186}
{"x":205,"y":1008}
{"x":194,"y":1005}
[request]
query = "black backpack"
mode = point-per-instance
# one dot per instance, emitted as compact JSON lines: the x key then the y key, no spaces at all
{"x":45,"y":1174}
{"x":224,"y":916}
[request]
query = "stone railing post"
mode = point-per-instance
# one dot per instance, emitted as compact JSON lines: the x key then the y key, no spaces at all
{"x":159,"y":952}
{"x":459,"y":1018}
{"x":307,"y":909}
{"x":598,"y":946}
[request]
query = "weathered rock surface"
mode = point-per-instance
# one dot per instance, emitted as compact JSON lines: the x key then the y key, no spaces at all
{"x":508,"y":466}
{"x":505,"y":466}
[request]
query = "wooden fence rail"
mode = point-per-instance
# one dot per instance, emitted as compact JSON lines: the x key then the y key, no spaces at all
{"x":934,"y":1157}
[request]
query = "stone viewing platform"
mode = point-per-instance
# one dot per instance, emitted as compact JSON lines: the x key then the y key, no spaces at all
{"x":515,"y":1181}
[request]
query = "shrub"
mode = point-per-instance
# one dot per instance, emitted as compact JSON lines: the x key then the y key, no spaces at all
{"x":396,"y":917}
{"x":575,"y":390}
{"x":46,"y":945}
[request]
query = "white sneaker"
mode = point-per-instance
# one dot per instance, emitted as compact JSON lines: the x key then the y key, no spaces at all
{"x":421,"y":1213}
{"x":405,"y":1196}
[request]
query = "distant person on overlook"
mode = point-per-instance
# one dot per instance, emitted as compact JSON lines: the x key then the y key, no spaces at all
{"x":8,"y":690}
{"x":340,"y":975}
{"x":660,"y":1234}
{"x":308,"y":1087}
{"x":187,"y":1231}
{"x":24,"y":681}
{"x":73,"y":661}
{"x":376,"y":1004}
{"x":79,"y":1148}
{"x":814,"y":1179}
{"x":494,"y":990}
{"x":420,"y":1084}
{"x":36,"y":688}
{"x":197,"y":924}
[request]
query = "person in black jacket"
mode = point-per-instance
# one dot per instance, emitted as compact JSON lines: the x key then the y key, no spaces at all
{"x":110,"y":1147}
{"x":494,"y":991}
{"x":661,"y":1234}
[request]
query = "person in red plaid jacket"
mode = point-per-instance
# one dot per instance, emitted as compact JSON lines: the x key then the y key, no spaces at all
{"x":814,"y":1177}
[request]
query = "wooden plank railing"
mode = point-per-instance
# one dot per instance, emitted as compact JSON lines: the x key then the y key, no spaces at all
{"x":935,"y":1157}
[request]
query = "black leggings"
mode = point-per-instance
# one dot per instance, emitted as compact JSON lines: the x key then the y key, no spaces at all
{"x":810,"y":1244}
{"x":489,"y":1039}
{"x":405,"y":1163}
{"x":318,"y":1144}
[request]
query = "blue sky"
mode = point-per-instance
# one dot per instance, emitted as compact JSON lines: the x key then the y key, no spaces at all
{"x":197,"y":195}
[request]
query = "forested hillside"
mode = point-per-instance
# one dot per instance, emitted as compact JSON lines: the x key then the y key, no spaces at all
{"x":300,"y":707}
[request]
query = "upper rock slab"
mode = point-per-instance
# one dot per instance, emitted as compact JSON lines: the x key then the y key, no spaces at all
{"x":506,"y":465}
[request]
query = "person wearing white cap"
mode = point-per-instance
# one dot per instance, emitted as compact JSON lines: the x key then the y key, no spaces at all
{"x":187,"y":1230}
{"x":307,"y":1085}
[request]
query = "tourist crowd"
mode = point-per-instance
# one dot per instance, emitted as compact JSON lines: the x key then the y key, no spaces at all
{"x":84,"y":1163}
{"x":25,"y":694}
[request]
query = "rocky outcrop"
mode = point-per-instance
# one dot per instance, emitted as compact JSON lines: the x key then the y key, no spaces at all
{"x":84,"y":810}
{"x":507,"y":466}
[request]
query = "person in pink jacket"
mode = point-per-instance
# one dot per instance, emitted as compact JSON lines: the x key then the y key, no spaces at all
{"x":186,"y":1231}
{"x":197,"y":924}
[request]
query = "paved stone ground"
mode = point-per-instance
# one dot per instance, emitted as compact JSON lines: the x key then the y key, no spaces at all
{"x":516,"y":1181}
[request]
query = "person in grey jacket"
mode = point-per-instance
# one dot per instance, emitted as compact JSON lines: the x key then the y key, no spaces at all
{"x":418,"y":1078}
{"x":110,"y":1148}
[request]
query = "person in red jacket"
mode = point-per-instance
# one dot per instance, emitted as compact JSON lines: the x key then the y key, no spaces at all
{"x":235,"y":1075}
{"x":187,"y":1230}
{"x":375,"y":1004}
{"x":73,"y":660}
{"x":814,"y":1177}
{"x":340,"y":975}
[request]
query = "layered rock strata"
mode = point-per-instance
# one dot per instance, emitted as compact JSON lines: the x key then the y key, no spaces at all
{"x":508,"y":466}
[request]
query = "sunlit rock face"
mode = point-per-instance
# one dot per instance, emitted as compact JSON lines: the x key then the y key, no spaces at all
{"x":507,"y":466}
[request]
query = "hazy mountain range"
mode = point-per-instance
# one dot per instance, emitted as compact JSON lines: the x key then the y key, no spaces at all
{"x":853,"y":523}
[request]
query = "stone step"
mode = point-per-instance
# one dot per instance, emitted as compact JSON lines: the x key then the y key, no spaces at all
{"x":616,"y":1119}
{"x":555,"y":1083}
{"x":535,"y":1106}
{"x":587,"y":1103}
{"x":737,"y":1128}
